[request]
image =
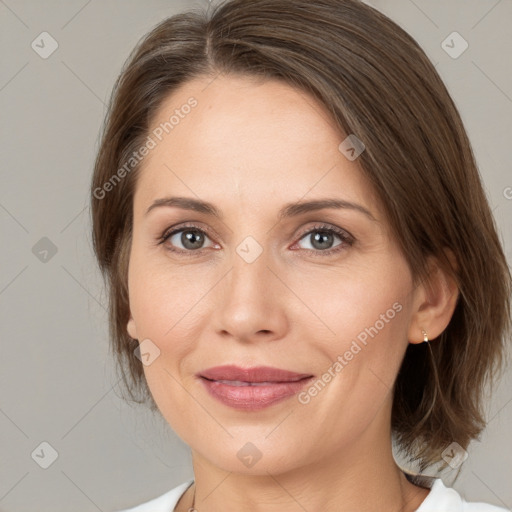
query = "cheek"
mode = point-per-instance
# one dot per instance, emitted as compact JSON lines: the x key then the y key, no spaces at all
{"x":357,"y":302}
{"x":164,"y":299}
{"x":169,"y":307}
{"x":166,"y":307}
{"x":374,"y":315}
{"x":367,"y":313}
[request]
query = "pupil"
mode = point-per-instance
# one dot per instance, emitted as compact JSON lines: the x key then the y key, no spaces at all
{"x":191,"y":239}
{"x":321,"y":237}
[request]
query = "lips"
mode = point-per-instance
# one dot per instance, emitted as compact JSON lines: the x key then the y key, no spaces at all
{"x":252,"y":389}
{"x":260,"y":374}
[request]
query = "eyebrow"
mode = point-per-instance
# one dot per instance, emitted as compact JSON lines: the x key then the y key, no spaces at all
{"x":289,"y":210}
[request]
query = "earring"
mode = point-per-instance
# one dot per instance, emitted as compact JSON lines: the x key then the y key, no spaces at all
{"x":425,"y":337}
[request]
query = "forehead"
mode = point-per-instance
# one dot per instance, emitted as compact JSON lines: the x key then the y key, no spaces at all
{"x":241,"y":138}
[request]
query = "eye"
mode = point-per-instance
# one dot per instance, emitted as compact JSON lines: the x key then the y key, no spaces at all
{"x":191,"y":238}
{"x":321,"y":239}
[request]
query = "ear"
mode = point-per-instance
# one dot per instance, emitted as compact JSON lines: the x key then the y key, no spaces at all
{"x":132,"y":328}
{"x":435,"y":301}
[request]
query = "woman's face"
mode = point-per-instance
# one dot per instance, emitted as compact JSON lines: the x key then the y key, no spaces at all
{"x":320,"y":292}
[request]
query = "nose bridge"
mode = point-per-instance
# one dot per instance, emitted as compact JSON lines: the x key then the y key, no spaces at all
{"x":249,"y":259}
{"x":250,"y":276}
{"x":250,"y":271}
{"x":249,"y":302}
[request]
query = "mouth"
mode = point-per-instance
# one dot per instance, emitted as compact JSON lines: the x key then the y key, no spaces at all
{"x":243,"y":383}
{"x":252,"y":388}
{"x":255,"y":375}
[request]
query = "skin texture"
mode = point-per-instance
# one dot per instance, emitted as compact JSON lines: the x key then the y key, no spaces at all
{"x":250,"y":148}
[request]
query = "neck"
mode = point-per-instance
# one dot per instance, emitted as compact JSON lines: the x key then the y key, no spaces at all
{"x":363,"y":476}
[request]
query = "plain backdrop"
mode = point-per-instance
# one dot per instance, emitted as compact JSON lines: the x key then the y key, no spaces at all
{"x":57,"y":384}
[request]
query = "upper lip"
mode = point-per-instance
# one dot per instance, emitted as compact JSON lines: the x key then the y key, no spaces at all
{"x":254,"y":374}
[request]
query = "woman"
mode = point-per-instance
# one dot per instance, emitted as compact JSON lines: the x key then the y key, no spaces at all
{"x":302,"y":263}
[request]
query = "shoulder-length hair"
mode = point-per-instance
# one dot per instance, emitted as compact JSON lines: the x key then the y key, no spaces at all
{"x":378,"y":84}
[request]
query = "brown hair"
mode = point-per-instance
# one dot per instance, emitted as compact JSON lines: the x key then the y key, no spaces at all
{"x":377,"y":83}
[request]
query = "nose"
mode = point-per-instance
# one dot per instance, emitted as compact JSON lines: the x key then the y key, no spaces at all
{"x":251,"y":302}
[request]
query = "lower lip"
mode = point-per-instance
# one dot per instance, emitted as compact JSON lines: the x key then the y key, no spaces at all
{"x":252,"y":398}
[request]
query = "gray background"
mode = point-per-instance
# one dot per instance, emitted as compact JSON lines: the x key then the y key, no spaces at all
{"x":57,"y":383}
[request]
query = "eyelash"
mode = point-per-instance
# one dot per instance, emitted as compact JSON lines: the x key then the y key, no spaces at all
{"x":346,"y":238}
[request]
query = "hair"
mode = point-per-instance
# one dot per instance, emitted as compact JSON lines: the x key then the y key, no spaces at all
{"x":378,"y":84}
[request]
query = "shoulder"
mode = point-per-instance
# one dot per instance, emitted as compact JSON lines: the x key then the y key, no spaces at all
{"x":164,"y":503}
{"x":447,"y":499}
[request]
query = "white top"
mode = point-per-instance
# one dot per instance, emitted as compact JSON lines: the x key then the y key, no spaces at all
{"x":440,"y":499}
